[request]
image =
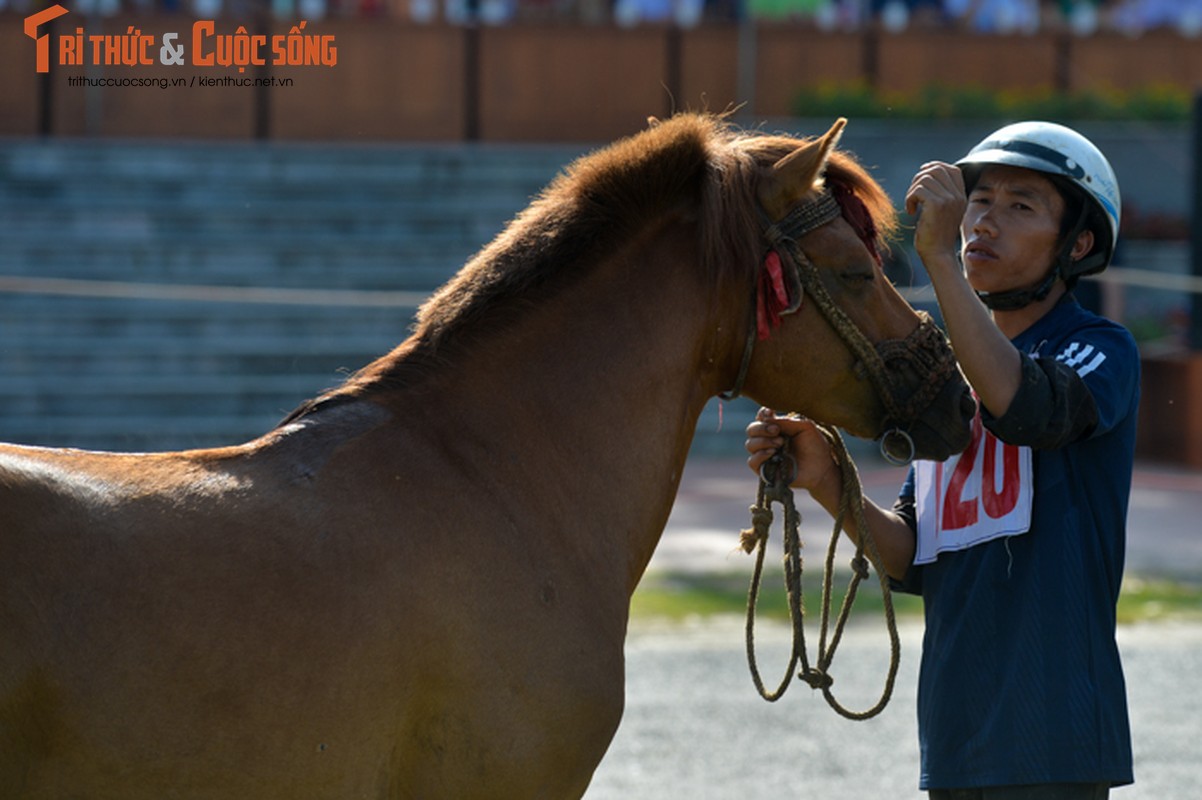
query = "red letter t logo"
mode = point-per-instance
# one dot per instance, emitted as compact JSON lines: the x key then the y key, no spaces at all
{"x":35,"y":21}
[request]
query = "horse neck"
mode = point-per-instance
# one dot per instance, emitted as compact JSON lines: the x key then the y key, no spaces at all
{"x":591,"y":400}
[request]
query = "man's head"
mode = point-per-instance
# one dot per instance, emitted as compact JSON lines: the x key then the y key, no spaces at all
{"x":1086,"y":188}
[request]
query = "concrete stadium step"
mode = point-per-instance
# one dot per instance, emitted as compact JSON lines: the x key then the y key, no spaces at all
{"x":125,"y":373}
{"x":122,"y":373}
{"x":70,"y":316}
{"x":361,"y":267}
{"x":114,"y":396}
{"x":141,"y":432}
{"x":157,"y":158}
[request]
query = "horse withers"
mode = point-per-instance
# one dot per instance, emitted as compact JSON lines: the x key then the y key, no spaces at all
{"x":418,"y":585}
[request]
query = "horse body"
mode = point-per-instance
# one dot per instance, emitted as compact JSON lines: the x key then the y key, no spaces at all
{"x":419,"y":585}
{"x":330,"y":617}
{"x":340,"y":651}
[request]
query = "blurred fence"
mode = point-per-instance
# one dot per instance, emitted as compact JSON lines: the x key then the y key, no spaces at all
{"x":395,"y":80}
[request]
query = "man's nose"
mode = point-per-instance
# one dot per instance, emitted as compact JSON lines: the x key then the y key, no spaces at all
{"x":983,"y":221}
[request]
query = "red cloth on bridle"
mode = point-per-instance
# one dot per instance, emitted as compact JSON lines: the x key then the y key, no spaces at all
{"x":771,"y":297}
{"x":856,"y":214}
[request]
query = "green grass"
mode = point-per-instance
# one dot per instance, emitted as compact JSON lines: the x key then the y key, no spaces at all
{"x":681,"y":596}
{"x":1153,"y":600}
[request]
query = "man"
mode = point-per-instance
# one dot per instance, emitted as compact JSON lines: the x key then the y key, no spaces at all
{"x":1017,"y":544}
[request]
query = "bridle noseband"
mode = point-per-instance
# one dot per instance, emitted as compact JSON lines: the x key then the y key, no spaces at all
{"x":926,"y":345}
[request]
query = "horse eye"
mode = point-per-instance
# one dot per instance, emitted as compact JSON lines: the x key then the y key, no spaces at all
{"x":857,"y":277}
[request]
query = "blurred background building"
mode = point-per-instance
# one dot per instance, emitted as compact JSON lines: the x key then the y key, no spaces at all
{"x":181,"y":263}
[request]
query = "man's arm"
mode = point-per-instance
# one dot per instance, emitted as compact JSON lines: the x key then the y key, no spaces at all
{"x":988,"y":360}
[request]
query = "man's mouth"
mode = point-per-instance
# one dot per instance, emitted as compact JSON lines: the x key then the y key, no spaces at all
{"x":978,"y":250}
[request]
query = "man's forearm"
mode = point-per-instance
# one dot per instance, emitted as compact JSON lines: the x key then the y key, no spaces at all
{"x":987,"y":358}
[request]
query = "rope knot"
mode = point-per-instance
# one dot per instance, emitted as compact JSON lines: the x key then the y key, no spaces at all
{"x":777,"y":239}
{"x":749,"y":539}
{"x":761,"y":523}
{"x":859,"y":565}
{"x":816,"y":678}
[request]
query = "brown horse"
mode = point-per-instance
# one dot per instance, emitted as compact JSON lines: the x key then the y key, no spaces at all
{"x":417,"y":586}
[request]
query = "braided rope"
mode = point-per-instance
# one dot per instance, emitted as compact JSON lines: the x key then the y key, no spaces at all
{"x":774,"y":487}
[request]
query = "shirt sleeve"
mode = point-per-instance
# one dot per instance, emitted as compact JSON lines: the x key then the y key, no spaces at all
{"x":1084,"y":390}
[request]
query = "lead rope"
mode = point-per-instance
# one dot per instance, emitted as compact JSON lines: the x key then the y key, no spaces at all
{"x":774,"y":487}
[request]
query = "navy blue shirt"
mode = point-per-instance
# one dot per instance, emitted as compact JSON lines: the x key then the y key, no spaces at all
{"x":1020,"y":679}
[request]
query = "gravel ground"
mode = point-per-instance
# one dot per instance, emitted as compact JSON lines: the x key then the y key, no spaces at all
{"x":695,"y":729}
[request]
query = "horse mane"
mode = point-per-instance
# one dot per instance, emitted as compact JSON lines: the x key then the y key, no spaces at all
{"x":695,"y":165}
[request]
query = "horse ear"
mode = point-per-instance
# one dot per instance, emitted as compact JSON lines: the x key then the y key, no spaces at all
{"x":795,"y":174}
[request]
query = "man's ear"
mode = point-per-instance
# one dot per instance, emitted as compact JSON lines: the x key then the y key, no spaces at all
{"x":1083,"y":245}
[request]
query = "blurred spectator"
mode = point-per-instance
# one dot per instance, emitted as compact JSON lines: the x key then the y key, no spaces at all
{"x":723,"y":10}
{"x":995,"y":16}
{"x":1134,"y":17}
{"x":423,"y":11}
{"x":496,"y":12}
{"x":845,"y":15}
{"x":686,"y":13}
{"x":896,"y":16}
{"x":1082,"y":17}
{"x":98,"y":8}
{"x":631,"y":12}
{"x":456,"y":12}
{"x":779,"y":10}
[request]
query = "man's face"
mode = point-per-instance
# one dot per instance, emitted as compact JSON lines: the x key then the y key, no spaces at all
{"x":1011,"y":229}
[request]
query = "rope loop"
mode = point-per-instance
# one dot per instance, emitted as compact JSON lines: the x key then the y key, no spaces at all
{"x":897,"y":447}
{"x":774,"y":487}
{"x":777,"y":473}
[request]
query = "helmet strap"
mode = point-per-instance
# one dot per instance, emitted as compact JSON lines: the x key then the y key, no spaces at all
{"x":1020,"y":298}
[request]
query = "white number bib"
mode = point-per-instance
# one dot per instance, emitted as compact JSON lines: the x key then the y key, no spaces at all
{"x":980,"y":495}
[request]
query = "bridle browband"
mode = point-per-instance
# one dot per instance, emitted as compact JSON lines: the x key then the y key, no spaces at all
{"x":926,"y":344}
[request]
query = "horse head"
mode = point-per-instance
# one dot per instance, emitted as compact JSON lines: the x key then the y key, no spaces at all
{"x":830,"y":336}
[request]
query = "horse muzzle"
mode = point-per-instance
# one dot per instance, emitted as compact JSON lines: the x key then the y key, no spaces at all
{"x":928,"y":404}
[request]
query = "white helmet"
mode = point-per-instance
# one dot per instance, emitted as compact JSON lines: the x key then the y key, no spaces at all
{"x":1057,"y":150}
